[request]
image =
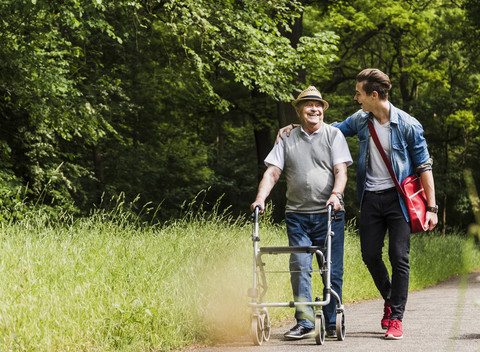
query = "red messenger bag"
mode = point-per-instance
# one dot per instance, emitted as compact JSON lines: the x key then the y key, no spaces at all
{"x":411,"y":189}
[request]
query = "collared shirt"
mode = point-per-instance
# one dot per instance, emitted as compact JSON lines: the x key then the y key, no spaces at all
{"x":308,"y":162}
{"x":408,"y":147}
{"x":340,"y":151}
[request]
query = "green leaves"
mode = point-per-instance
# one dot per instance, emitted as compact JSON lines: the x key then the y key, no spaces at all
{"x":244,"y":38}
{"x":430,"y":51}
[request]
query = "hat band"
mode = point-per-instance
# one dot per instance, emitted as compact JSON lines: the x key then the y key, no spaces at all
{"x":315,"y":97}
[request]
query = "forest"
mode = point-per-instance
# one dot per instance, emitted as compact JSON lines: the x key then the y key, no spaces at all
{"x":168,"y":104}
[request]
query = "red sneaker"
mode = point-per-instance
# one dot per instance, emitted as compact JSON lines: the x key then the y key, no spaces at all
{"x":395,"y":330}
{"x":386,"y":315}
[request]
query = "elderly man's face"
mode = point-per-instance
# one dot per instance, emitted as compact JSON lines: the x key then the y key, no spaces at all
{"x":311,"y":113}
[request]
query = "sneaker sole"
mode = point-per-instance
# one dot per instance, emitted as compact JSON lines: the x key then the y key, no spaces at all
{"x":391,"y":337}
{"x":310,"y":334}
{"x":331,"y":332}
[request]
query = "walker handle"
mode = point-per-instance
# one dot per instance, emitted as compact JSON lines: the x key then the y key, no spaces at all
{"x":255,"y":214}
{"x":254,"y":219}
{"x":331,"y":213}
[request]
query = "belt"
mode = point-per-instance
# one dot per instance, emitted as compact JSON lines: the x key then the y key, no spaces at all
{"x":384,"y":190}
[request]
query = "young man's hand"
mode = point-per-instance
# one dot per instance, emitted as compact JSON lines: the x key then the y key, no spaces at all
{"x":287,"y":129}
{"x":431,"y":220}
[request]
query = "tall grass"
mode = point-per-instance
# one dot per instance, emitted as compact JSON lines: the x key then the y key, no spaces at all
{"x":107,"y":283}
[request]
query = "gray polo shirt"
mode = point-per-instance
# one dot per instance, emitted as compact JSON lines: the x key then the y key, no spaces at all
{"x":308,"y":165}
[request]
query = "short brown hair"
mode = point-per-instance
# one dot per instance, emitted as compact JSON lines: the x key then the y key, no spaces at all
{"x":375,"y":80}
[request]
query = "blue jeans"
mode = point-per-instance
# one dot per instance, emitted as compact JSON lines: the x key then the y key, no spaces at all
{"x":311,"y":230}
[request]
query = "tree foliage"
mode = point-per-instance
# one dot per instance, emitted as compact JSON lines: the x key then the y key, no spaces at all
{"x":166,"y":99}
{"x":141,"y":97}
{"x":427,"y":49}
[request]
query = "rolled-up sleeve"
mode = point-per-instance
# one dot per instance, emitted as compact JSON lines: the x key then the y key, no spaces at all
{"x":417,"y":147}
{"x":424,"y":167}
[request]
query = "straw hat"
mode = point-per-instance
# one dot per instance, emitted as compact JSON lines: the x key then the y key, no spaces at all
{"x":311,"y":93}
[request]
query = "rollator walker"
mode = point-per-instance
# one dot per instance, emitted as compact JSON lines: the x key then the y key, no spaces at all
{"x":260,"y":321}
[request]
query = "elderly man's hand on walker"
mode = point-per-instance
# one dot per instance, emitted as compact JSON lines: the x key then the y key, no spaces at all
{"x":335,"y":201}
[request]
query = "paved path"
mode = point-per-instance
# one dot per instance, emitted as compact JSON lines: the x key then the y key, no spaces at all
{"x":445,"y":317}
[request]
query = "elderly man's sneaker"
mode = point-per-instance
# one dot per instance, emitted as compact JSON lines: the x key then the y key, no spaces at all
{"x":387,"y":310}
{"x":331,"y":332}
{"x":299,"y":332}
{"x":395,"y":330}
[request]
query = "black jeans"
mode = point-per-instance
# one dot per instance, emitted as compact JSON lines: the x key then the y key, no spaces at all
{"x":379,"y":213}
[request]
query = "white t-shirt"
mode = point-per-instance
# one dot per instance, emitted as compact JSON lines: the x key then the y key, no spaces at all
{"x":378,"y":177}
{"x":340,"y":151}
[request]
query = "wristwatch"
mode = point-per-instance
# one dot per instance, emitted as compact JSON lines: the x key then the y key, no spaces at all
{"x":339,"y":196}
{"x":433,"y":209}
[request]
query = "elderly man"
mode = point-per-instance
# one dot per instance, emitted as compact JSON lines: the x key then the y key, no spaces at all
{"x":382,"y":207}
{"x":315,"y":160}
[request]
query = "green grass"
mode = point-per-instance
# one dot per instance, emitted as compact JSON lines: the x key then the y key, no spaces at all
{"x":105,"y":283}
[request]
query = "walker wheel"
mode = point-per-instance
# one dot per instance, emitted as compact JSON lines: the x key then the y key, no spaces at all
{"x":319,"y":328}
{"x":256,"y":329}
{"x":266,"y":327}
{"x":340,"y":325}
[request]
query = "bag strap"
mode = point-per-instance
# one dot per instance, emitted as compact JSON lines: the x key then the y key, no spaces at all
{"x":373,"y":133}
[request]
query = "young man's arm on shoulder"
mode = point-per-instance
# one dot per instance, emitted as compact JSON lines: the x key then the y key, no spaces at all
{"x":349,"y":126}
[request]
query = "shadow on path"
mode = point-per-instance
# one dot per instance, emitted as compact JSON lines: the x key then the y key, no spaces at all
{"x":445,"y":317}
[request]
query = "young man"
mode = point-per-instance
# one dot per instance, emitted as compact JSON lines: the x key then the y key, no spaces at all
{"x":315,"y":160}
{"x":382,"y":207}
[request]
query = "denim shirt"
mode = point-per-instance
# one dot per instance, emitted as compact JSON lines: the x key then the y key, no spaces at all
{"x":408,"y":147}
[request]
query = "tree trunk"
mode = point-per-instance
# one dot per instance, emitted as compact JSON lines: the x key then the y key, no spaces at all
{"x":262,"y":140}
{"x":99,"y":167}
{"x":285,"y":112}
{"x":404,"y":88}
{"x":445,"y":163}
{"x":444,"y":215}
{"x":261,"y":131}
